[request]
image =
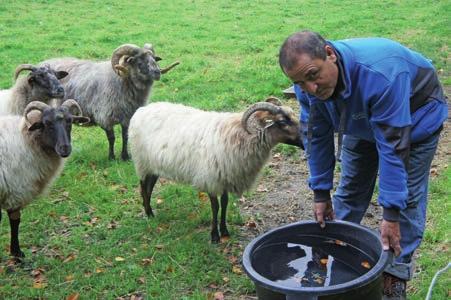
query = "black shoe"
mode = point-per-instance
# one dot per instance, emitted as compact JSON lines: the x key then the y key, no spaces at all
{"x":394,"y":288}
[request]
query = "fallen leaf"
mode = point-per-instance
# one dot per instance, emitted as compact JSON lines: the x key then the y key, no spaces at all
{"x":226,"y":279}
{"x":233,"y":259}
{"x":118,"y":258}
{"x":74,"y":296}
{"x":112,"y":225}
{"x":218,"y":296}
{"x":141,"y":280}
{"x":69,"y":278}
{"x":159,"y":201}
{"x":69,"y":258}
{"x":99,"y":270}
{"x":147,"y":261}
{"x":224,"y":239}
{"x":203,"y":197}
{"x":213,"y":286}
{"x":39,"y":285}
{"x":237,"y":270}
{"x":261,"y":189}
{"x":251,"y":224}
{"x":159,"y":246}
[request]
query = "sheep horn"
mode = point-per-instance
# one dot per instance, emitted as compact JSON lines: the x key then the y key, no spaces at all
{"x":274,"y":100}
{"x":21,"y":68}
{"x":165,"y":70}
{"x":126,"y":49}
{"x":70,"y":104}
{"x":149,"y":47}
{"x":259,"y":106}
{"x":34,"y":105}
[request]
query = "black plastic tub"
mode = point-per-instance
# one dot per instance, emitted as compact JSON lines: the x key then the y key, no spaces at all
{"x":352,"y":255}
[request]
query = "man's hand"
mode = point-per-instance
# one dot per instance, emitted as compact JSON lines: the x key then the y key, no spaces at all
{"x":391,"y":235}
{"x":323,"y":212}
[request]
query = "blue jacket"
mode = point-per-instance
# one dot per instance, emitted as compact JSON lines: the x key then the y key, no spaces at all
{"x":391,"y":96}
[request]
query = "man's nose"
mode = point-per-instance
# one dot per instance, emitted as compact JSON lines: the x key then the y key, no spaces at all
{"x":311,"y":87}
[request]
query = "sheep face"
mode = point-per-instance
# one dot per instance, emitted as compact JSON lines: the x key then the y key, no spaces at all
{"x":144,"y":67}
{"x":52,"y":127}
{"x":45,"y":83}
{"x":281,"y":128}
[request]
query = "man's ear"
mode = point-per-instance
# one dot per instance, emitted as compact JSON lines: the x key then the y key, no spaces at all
{"x":36,"y":126}
{"x":330,"y":53}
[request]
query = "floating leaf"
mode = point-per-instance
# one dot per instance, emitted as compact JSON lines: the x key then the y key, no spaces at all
{"x":366,"y":264}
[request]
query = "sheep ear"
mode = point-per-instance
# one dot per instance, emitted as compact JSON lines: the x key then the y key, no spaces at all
{"x":36,"y":126}
{"x":274,"y":100}
{"x":31,"y":80}
{"x":61,"y":74}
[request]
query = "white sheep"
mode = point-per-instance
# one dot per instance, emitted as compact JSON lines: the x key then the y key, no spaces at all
{"x":217,"y":152}
{"x":41,"y":84}
{"x":32,"y":152}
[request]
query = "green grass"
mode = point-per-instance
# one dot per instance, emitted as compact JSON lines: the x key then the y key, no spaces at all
{"x":228,"y":52}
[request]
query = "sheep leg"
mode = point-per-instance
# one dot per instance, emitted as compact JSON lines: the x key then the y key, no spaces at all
{"x":214,"y":220}
{"x":14,"y":221}
{"x":223,"y":224}
{"x":111,"y":138}
{"x":146,"y":192}
{"x":124,"y":154}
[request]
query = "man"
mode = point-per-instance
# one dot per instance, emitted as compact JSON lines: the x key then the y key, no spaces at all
{"x":387,"y":104}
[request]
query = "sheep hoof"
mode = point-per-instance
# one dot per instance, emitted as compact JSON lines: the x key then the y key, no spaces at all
{"x":125,"y":156}
{"x":149,"y":213}
{"x":17,"y":254}
{"x":111,"y":157}
{"x":225,"y":233}
{"x":215,"y":239}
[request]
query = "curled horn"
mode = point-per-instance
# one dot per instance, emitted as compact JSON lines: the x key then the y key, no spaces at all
{"x":149,"y":47}
{"x":116,"y":62}
{"x":34,"y":105}
{"x":165,"y":70}
{"x":23,"y":67}
{"x":70,"y":104}
{"x":259,"y":106}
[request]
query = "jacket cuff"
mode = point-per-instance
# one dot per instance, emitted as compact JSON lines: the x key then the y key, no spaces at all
{"x":321,"y":195}
{"x":391,"y":214}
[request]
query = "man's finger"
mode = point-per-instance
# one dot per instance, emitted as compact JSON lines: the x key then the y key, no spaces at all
{"x":320,"y":219}
{"x":385,"y":243}
{"x":396,"y":248}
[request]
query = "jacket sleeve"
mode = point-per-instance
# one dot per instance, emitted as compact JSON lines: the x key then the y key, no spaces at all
{"x":390,"y":119}
{"x":320,"y":154}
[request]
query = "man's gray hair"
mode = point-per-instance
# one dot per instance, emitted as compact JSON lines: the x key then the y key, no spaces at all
{"x":302,"y":42}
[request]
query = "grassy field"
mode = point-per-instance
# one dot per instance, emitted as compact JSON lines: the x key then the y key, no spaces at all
{"x":88,"y":236}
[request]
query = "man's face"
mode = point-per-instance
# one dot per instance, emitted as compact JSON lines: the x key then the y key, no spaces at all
{"x":316,"y":76}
